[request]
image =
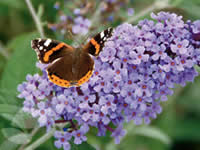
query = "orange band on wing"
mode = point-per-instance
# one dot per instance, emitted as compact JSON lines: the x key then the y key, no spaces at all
{"x":60,"y":82}
{"x":96,"y":45}
{"x":50,"y":52}
{"x":85,"y":78}
{"x":64,"y":83}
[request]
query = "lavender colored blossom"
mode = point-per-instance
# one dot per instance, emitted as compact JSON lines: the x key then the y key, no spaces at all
{"x":56,"y":5}
{"x":81,"y":25}
{"x":53,"y":28}
{"x":79,"y":135}
{"x":77,"y":11}
{"x":62,"y":140}
{"x":179,"y":46}
{"x":130,"y":11}
{"x":196,"y":27}
{"x":110,"y":1}
{"x":138,"y":55}
{"x":118,"y":134}
{"x":63,"y":18}
{"x":159,"y":52}
{"x":135,"y":72}
{"x":110,"y":18}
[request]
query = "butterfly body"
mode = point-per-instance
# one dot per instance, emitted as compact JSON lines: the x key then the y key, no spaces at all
{"x":68,"y":66}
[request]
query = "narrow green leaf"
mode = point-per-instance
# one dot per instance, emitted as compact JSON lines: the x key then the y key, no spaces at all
{"x":21,"y":120}
{"x":153,"y":132}
{"x":6,"y":108}
{"x":187,"y":5}
{"x":7,"y":145}
{"x":8,"y":132}
{"x":83,"y":146}
{"x":20,"y":138}
{"x":13,"y":4}
{"x":40,"y":11}
{"x":6,"y":116}
{"x":16,"y":136}
{"x":24,"y":121}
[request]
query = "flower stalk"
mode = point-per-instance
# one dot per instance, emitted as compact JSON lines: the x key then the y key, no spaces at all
{"x":35,"y":18}
{"x":41,"y":140}
{"x":158,"y":4}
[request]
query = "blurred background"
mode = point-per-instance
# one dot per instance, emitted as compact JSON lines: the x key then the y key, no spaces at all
{"x":177,"y":128}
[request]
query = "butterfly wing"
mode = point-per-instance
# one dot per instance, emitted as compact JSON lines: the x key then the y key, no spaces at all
{"x":95,"y":45}
{"x":60,"y":71}
{"x":67,"y":71}
{"x":49,"y":50}
{"x":85,"y":68}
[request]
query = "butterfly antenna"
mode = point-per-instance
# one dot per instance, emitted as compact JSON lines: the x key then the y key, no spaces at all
{"x":70,"y":35}
{"x":93,"y":21}
{"x":73,"y":37}
{"x":92,"y":34}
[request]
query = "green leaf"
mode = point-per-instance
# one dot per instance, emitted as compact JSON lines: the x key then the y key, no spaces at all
{"x":5,"y":108}
{"x":8,"y":132}
{"x":20,"y":138}
{"x":8,"y":95}
{"x":16,"y":136}
{"x":7,"y":145}
{"x":153,"y":132}
{"x":83,"y":146}
{"x":187,"y":5}
{"x":24,"y":121}
{"x":20,"y":64}
{"x":2,"y":62}
{"x":7,"y":116}
{"x":40,"y":11}
{"x":21,"y":120}
{"x":13,"y":4}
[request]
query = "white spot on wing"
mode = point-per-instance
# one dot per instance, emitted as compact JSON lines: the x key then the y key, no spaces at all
{"x":48,"y":41}
{"x":41,"y":48}
{"x":102,"y":34}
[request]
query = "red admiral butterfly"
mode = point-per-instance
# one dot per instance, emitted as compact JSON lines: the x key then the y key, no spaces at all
{"x":69,"y":66}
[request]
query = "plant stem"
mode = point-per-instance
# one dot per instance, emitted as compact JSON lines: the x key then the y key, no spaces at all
{"x":3,"y":51}
{"x":34,"y":131}
{"x":41,"y":140}
{"x":109,"y":128}
{"x":44,"y":138}
{"x":35,"y":18}
{"x":97,"y":15}
{"x":158,"y":4}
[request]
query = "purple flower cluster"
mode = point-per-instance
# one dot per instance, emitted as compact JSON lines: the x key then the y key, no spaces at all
{"x":76,"y":22}
{"x":137,"y":69}
{"x":81,"y":26}
{"x":80,"y":19}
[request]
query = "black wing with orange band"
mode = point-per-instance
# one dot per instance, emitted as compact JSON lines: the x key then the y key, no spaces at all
{"x":49,"y":50}
{"x":95,"y":45}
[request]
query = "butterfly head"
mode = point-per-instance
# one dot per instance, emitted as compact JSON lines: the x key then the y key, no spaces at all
{"x":35,"y":43}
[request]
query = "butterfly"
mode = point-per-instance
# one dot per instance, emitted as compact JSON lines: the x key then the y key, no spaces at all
{"x":69,"y":66}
